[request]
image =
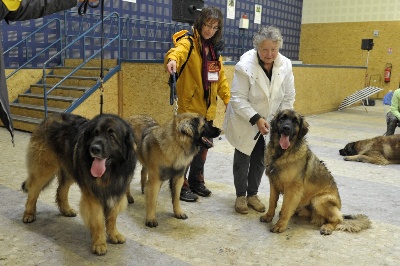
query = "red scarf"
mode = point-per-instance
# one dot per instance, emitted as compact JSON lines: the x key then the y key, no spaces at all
{"x":206,"y":83}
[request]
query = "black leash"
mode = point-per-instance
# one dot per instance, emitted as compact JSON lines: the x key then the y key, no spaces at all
{"x":173,"y":98}
{"x":82,"y":11}
{"x":172,"y":85}
{"x":83,"y":7}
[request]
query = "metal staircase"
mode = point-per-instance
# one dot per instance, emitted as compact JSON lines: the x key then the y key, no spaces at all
{"x":28,"y":110}
{"x":63,"y":88}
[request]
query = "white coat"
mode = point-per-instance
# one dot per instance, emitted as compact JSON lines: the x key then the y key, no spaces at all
{"x":251,"y":93}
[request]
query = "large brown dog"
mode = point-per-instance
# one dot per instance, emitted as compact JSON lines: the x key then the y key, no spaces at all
{"x":379,"y":150}
{"x":307,"y":186}
{"x":98,"y":154}
{"x":165,"y":151}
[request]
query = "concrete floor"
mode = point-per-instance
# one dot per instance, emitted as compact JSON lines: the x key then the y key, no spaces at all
{"x":215,"y":234}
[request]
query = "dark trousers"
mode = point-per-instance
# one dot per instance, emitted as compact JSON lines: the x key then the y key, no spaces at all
{"x":391,"y":121}
{"x":196,"y":168}
{"x":248,"y":170}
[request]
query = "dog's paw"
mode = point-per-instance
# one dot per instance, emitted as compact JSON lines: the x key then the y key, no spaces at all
{"x":151,"y":223}
{"x":181,"y":215}
{"x":69,"y":213}
{"x":99,"y":249}
{"x":278,"y":228}
{"x":29,"y":218}
{"x":326,"y":230}
{"x":130,"y":199}
{"x":266,"y":218}
{"x":117,"y":239}
{"x":346,"y":158}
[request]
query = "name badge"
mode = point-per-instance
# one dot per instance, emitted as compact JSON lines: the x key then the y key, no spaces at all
{"x":213,"y":68}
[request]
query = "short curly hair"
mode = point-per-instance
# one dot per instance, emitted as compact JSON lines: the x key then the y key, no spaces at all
{"x":267,"y":33}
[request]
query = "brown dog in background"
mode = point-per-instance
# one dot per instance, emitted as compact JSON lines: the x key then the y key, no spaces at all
{"x":308,"y":188}
{"x":381,"y":150}
{"x":165,"y":152}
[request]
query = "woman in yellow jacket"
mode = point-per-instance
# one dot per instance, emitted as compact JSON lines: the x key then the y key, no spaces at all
{"x":199,"y":84}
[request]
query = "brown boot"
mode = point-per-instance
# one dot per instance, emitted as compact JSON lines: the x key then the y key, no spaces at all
{"x":255,"y":203}
{"x":241,"y":205}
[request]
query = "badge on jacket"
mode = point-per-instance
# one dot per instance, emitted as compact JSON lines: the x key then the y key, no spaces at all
{"x":213,"y":68}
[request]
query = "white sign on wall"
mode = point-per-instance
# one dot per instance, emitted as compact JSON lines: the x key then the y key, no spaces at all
{"x":257,"y":14}
{"x":230,"y":9}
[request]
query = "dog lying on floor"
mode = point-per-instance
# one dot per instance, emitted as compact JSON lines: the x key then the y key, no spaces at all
{"x":308,"y":188}
{"x":378,"y":150}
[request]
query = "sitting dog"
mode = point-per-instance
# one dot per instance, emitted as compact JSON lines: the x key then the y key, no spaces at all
{"x":308,"y":188}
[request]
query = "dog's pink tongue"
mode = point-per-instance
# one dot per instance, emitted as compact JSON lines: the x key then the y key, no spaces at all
{"x":284,"y":142}
{"x":98,"y":167}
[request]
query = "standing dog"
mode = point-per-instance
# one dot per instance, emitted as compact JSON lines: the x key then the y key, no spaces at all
{"x":379,"y":150}
{"x":307,"y":186}
{"x":165,"y":152}
{"x":98,"y":154}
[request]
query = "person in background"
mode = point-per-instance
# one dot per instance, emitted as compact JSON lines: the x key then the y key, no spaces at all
{"x":393,"y":115}
{"x":263,"y":83}
{"x":18,"y":10}
{"x":199,"y":84}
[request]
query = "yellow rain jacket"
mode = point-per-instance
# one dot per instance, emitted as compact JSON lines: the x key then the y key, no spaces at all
{"x":189,"y":87}
{"x":12,"y":5}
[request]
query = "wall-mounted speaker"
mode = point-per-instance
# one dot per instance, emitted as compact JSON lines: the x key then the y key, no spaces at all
{"x":367,"y":44}
{"x":186,"y":11}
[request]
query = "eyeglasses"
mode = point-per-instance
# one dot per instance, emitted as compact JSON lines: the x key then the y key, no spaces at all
{"x":210,"y":27}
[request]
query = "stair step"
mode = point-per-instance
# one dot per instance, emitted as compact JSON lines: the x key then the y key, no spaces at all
{"x":77,"y":81}
{"x":35,"y":111}
{"x":52,"y":100}
{"x":65,"y":91}
{"x":26,"y":119}
{"x":72,"y":77}
{"x":83,"y":71}
{"x":82,"y":68}
{"x":25,"y":123}
{"x":49,"y":97}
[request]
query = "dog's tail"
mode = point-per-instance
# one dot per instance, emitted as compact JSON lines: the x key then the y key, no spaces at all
{"x":354,"y":223}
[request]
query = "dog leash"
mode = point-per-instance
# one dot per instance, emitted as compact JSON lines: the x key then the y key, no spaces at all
{"x":173,"y":98}
{"x":82,"y":11}
{"x":84,"y":5}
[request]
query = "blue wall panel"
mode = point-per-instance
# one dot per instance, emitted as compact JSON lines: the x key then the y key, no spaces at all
{"x":146,"y":29}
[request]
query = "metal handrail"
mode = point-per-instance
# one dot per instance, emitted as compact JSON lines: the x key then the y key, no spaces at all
{"x":27,"y":38}
{"x":86,"y":60}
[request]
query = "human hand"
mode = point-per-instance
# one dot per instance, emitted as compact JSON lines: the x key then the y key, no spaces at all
{"x":263,"y":126}
{"x":171,"y":66}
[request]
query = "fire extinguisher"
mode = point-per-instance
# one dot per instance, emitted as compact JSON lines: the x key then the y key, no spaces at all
{"x":388,"y":72}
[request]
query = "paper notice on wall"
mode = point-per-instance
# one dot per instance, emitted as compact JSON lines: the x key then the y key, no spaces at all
{"x":257,"y":14}
{"x":132,"y":1}
{"x":230,"y":9}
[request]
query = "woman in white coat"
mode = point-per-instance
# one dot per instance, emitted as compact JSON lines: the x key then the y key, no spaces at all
{"x":263,"y":84}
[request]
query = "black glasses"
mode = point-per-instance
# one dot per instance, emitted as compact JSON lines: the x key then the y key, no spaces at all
{"x":210,"y":27}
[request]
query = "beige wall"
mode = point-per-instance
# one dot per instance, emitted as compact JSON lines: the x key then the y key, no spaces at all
{"x":145,"y":90}
{"x":340,"y":44}
{"x":329,"y":11}
{"x":141,"y":88}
